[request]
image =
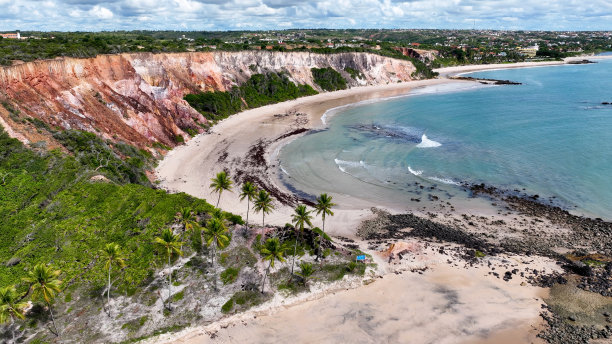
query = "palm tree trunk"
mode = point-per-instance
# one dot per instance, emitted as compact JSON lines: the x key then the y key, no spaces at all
{"x":248,"y":209}
{"x":264,"y":279}
{"x":169,"y":281}
{"x":321,"y":239}
{"x":263,"y":221}
{"x":12,"y":329}
{"x":56,"y":333}
{"x":213,"y":265}
{"x":218,"y":199}
{"x":108,"y":291}
{"x":293,"y":260}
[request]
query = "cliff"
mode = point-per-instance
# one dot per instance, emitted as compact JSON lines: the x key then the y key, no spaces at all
{"x":138,"y":98}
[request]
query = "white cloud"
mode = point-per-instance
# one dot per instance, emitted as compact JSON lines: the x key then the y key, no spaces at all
{"x":100,"y":12}
{"x":270,"y":14}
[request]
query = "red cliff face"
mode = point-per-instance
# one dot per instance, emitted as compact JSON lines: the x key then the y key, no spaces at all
{"x":138,"y":98}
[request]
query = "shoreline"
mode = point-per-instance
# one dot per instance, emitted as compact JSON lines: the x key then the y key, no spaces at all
{"x":230,"y":145}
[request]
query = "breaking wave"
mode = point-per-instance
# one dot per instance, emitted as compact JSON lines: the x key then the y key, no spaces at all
{"x":416,"y":173}
{"x":427,"y":143}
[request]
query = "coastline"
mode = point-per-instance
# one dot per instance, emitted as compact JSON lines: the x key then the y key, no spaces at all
{"x":189,"y":168}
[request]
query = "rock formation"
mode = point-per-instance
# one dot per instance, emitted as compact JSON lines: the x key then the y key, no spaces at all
{"x":138,"y":98}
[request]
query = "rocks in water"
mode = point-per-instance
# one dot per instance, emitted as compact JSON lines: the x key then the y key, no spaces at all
{"x":606,"y":103}
{"x":585,"y":61}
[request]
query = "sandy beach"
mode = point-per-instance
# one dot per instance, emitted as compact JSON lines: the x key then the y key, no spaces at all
{"x":430,"y":297}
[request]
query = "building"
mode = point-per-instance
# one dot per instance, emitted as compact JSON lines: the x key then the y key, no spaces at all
{"x":16,"y":35}
{"x":529,"y":51}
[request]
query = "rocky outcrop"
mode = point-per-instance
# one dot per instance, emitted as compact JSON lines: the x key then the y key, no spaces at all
{"x":138,"y":98}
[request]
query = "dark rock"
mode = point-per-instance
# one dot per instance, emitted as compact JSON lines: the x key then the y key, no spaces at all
{"x":13,"y":261}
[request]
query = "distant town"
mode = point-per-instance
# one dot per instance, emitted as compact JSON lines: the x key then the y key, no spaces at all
{"x":433,"y":47}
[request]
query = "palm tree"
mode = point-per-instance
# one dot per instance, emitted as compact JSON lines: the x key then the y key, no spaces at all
{"x":272,"y":251}
{"x":323,"y":207}
{"x":171,"y":245}
{"x":306,"y":270}
{"x":112,"y":254}
{"x":11,"y":307}
{"x":248,"y":191}
{"x":263,"y":203}
{"x":216,"y":235}
{"x":44,"y":284}
{"x":186,"y":218}
{"x":221,"y":182}
{"x":300,"y":218}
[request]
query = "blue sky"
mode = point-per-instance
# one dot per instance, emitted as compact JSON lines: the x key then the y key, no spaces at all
{"x":95,"y":15}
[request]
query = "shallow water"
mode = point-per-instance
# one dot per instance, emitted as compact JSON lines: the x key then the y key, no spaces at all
{"x":550,"y":136}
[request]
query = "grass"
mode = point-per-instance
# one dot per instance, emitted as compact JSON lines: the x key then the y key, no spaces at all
{"x":242,"y":300}
{"x":238,"y":257}
{"x":135,"y":325}
{"x":229,"y":275}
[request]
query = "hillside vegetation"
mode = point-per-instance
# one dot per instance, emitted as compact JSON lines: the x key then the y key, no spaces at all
{"x":259,"y":90}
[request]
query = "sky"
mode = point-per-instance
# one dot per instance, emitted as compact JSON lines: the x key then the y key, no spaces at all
{"x":96,"y":15}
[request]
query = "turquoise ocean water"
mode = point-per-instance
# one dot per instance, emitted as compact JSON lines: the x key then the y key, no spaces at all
{"x":550,"y":136}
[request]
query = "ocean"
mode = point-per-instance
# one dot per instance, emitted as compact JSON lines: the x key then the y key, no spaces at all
{"x":550,"y":136}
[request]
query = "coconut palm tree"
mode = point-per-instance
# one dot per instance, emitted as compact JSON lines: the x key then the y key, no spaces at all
{"x":306,"y":270}
{"x":272,"y":251}
{"x":44,"y":284}
{"x":300,"y":217}
{"x":248,"y":191}
{"x":263,"y":204}
{"x":186,"y":218}
{"x":11,"y":307}
{"x":215,"y":233}
{"x":170,"y":244}
{"x":323,"y":208}
{"x":112,"y":255}
{"x":221,"y":182}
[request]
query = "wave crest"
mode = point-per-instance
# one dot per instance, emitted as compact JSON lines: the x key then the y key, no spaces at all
{"x":427,"y":143}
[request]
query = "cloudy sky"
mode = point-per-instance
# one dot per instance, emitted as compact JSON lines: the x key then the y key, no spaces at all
{"x":96,"y":15}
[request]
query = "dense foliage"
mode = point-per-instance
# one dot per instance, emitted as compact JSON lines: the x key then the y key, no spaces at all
{"x":259,"y":90}
{"x":53,"y":213}
{"x":328,"y":79}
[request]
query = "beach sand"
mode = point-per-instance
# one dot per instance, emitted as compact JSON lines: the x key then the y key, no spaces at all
{"x":445,"y":304}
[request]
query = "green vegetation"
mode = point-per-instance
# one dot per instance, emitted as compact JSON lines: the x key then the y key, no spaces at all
{"x":300,"y":217}
{"x":220,"y":183}
{"x":355,"y":74}
{"x":328,"y":79}
{"x":263,"y":204}
{"x":112,"y":255}
{"x":259,"y":90}
{"x":229,"y":275}
{"x":136,"y":324}
{"x":272,"y":251}
{"x":170,"y":245}
{"x":323,"y":208}
{"x":242,"y":300}
{"x":51,"y":212}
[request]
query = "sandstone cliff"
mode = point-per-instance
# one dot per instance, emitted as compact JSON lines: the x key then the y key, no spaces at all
{"x":138,"y":98}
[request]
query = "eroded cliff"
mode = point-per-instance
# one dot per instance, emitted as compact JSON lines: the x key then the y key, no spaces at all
{"x":138,"y":98}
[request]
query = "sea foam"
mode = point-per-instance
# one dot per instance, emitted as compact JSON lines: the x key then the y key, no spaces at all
{"x":427,"y":143}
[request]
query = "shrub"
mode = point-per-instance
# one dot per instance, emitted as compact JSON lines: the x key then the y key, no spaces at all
{"x":229,"y":275}
{"x":328,"y":79}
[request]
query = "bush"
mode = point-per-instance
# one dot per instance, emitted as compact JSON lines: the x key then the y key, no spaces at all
{"x":259,"y":90}
{"x":229,"y":275}
{"x":227,"y":307}
{"x":328,"y":79}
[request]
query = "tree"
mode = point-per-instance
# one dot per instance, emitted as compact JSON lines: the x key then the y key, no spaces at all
{"x":306,"y":270}
{"x":263,"y":204}
{"x":11,"y":307}
{"x":248,"y":191}
{"x":44,"y":284}
{"x":219,"y":183}
{"x":216,"y":235}
{"x":300,"y":217}
{"x":272,"y":251}
{"x":112,"y":254}
{"x":186,"y":218}
{"x":323,"y":207}
{"x":171,"y":245}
